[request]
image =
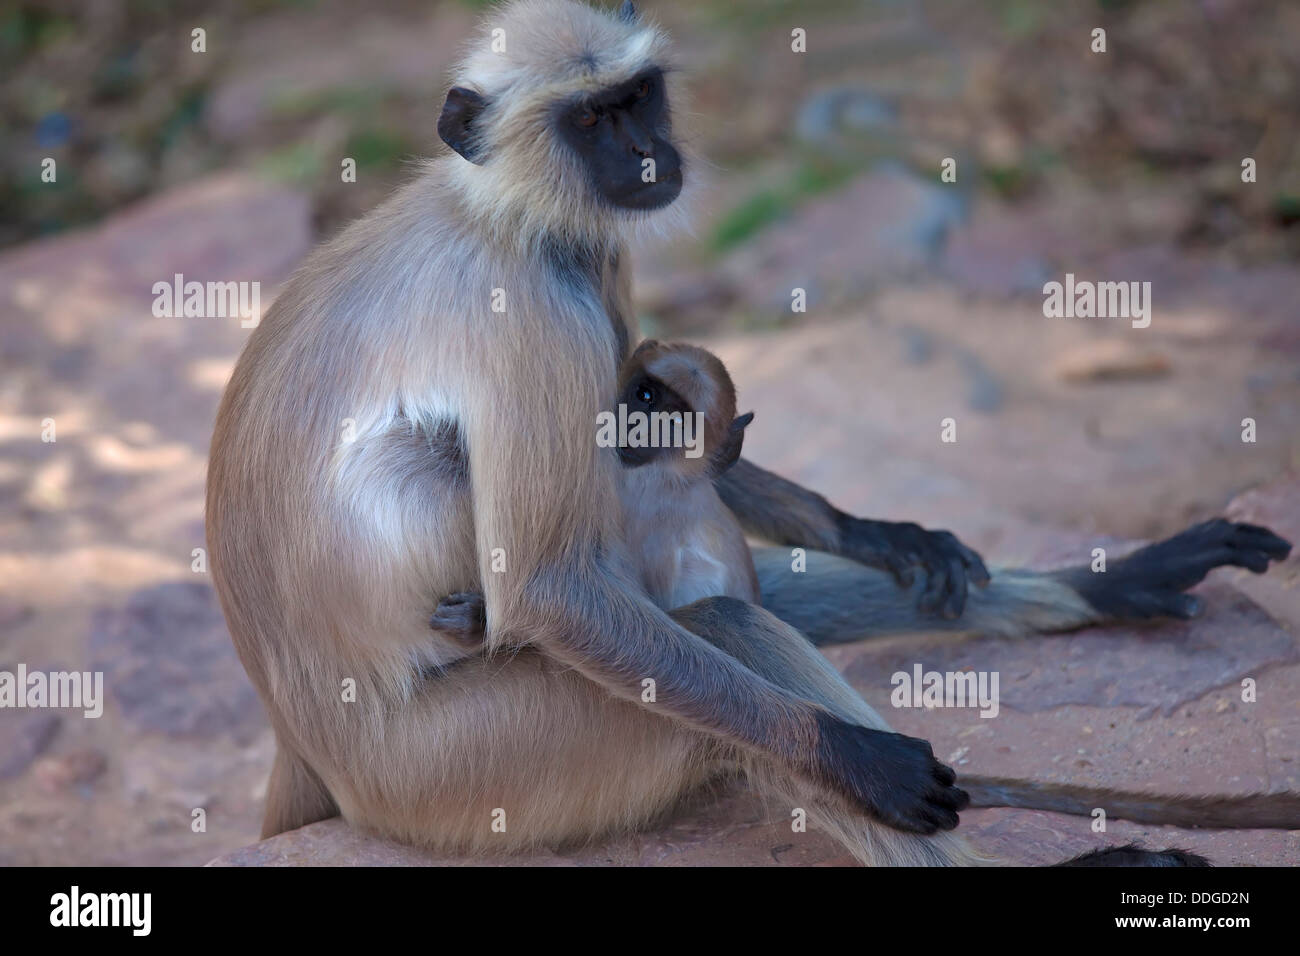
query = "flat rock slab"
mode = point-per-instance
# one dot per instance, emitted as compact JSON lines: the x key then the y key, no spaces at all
{"x":728,"y":829}
{"x":733,"y":832}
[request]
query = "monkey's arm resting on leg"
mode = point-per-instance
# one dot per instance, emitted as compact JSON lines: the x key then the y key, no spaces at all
{"x":786,"y":513}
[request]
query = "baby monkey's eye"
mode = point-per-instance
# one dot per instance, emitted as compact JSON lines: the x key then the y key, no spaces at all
{"x":646,"y":394}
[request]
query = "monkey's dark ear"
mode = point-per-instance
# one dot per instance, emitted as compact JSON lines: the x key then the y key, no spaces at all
{"x":627,"y":12}
{"x":729,"y":453}
{"x":456,"y":124}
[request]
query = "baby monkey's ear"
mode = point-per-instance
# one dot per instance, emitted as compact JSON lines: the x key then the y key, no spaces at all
{"x":729,"y":453}
{"x":647,"y":345}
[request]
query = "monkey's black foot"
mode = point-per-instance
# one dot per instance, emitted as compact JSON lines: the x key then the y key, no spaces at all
{"x":892,"y":778}
{"x":1133,"y":855}
{"x":903,"y":547}
{"x":1149,"y":582}
{"x":461,"y":617}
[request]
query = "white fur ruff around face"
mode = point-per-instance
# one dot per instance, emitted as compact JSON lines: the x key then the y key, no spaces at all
{"x":526,"y":58}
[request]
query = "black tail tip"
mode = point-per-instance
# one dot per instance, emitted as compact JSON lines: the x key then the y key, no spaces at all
{"x":1132,"y":854}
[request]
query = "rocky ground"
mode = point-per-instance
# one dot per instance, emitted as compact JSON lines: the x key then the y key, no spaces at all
{"x":99,"y":529}
{"x":924,"y":303}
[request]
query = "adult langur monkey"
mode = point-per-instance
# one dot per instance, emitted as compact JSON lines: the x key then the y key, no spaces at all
{"x":416,"y":416}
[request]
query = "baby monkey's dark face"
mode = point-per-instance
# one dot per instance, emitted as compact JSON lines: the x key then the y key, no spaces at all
{"x":679,"y":405}
{"x":646,"y":394}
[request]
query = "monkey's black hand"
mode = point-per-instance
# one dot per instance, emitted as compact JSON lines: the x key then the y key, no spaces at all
{"x":461,"y":617}
{"x":901,"y":547}
{"x":1150,"y":581}
{"x":892,"y":778}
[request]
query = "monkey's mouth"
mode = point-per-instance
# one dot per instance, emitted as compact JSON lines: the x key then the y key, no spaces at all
{"x":655,"y":195}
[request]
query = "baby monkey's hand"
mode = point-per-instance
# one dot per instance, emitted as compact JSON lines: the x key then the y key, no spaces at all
{"x":461,"y":617}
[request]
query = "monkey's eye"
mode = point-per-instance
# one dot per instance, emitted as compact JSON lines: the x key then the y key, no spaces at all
{"x":643,"y":90}
{"x":646,"y":395}
{"x":586,"y":116}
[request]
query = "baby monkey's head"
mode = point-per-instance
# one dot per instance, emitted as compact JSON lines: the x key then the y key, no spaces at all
{"x":689,"y":406}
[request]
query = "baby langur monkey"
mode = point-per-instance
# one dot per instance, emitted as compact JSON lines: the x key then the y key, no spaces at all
{"x":689,"y":545}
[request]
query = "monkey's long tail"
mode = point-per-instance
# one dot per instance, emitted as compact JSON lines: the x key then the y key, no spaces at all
{"x":1265,"y":811}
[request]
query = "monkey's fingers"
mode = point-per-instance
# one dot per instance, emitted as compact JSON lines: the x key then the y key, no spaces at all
{"x":881,"y":545}
{"x":901,"y":567}
{"x":902,"y":547}
{"x":462,"y":617}
{"x":1184,"y":606}
{"x":976,"y":571}
{"x":1185,"y":559}
{"x":951,"y":566}
{"x":937,"y":588}
{"x":1254,"y":537}
{"x":1149,"y":582}
{"x":892,"y":778}
{"x":955,"y":602}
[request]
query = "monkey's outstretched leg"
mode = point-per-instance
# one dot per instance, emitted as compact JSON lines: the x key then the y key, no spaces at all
{"x":836,"y":600}
{"x":1148,"y":583}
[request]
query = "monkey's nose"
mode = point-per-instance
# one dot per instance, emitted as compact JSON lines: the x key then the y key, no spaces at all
{"x":638,"y":137}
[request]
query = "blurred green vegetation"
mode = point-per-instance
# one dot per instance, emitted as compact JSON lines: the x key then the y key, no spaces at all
{"x":813,"y":176}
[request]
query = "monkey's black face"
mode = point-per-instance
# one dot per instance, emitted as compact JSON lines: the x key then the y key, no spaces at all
{"x":621,"y":137}
{"x":648,"y":395}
